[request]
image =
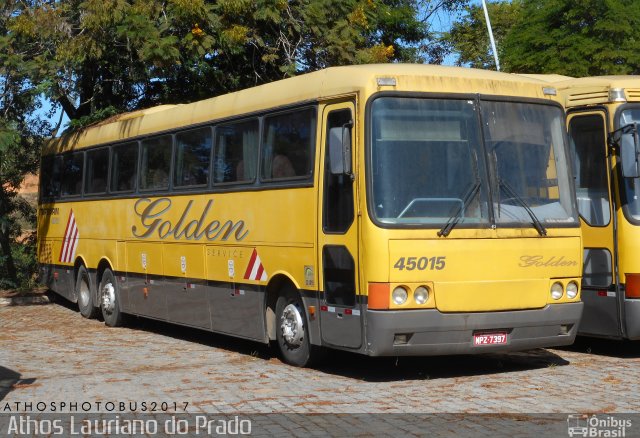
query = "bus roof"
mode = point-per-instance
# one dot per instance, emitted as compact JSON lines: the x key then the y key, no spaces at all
{"x":545,"y":77}
{"x":598,"y":90}
{"x":330,"y":82}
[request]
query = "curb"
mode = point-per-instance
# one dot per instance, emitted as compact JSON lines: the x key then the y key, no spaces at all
{"x":24,"y":301}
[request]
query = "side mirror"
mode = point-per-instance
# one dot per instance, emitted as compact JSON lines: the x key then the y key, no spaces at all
{"x":629,"y":152}
{"x":340,"y":150}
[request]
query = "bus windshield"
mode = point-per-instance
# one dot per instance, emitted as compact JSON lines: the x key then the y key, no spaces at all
{"x":631,"y":185}
{"x":437,"y":159}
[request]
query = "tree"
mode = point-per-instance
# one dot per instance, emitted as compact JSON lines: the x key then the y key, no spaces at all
{"x":19,"y":150}
{"x":569,"y":37}
{"x":98,"y":57}
{"x":469,"y":38}
{"x":575,"y":38}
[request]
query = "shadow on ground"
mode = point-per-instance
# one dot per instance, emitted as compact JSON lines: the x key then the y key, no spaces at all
{"x":360,"y":367}
{"x":10,"y":380}
{"x":605,"y":347}
{"x":365,"y":368}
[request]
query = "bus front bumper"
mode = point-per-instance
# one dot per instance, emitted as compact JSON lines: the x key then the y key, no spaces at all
{"x":431,"y":332}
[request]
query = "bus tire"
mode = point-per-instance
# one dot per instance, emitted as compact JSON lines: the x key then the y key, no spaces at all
{"x":292,"y":332}
{"x":83,"y":292}
{"x":110,"y":300}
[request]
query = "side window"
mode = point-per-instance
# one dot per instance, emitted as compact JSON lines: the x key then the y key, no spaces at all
{"x":155,"y":163}
{"x":590,"y":168}
{"x":337,"y":207}
{"x":50,"y":177}
{"x":124,"y":166}
{"x":97,"y":170}
{"x":236,"y":152}
{"x":193,"y":153}
{"x":72,"y":165}
{"x":288,"y":145}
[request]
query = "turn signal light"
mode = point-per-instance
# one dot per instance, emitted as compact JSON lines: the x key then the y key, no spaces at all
{"x":378,"y":296}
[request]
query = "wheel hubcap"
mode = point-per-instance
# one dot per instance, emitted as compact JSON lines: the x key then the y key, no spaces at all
{"x":84,"y":294}
{"x":108,"y":297}
{"x":292,"y":327}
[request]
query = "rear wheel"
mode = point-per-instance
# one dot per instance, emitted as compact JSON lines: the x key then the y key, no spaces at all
{"x":110,"y":300}
{"x":83,"y":292}
{"x":292,"y":330}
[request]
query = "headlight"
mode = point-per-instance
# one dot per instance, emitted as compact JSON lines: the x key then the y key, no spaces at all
{"x":421,"y":295}
{"x":556,"y":290}
{"x":399,"y":296}
{"x":572,"y":290}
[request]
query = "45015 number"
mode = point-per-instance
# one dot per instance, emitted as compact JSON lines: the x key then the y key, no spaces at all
{"x":421,"y":263}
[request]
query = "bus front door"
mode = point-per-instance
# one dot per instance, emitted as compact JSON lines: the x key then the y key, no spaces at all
{"x":340,"y":307}
{"x":591,"y":165}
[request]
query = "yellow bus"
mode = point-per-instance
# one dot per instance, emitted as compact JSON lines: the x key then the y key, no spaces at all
{"x":603,"y":114}
{"x":380,"y":209}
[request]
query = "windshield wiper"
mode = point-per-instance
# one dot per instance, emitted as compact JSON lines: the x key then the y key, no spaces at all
{"x":455,"y":218}
{"x":536,"y":222}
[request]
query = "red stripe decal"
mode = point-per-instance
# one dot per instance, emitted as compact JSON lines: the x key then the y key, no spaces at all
{"x":254,"y":255}
{"x":259,"y":273}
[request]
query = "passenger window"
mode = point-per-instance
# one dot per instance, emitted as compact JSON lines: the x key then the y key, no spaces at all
{"x":193,"y":153}
{"x":590,"y":168}
{"x":97,"y":171}
{"x":72,"y":174}
{"x":124,"y":167}
{"x":155,"y":163}
{"x":288,"y":145}
{"x":236,"y":152}
{"x":50,"y":177}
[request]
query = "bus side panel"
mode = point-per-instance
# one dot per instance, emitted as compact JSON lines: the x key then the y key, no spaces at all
{"x":62,"y":281}
{"x":187,"y":294}
{"x":147,"y":292}
{"x":236,"y":307}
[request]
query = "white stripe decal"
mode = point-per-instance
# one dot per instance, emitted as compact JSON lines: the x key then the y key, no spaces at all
{"x":254,"y":270}
{"x":69,"y":241}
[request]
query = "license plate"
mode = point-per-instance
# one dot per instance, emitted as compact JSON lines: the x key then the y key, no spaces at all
{"x":489,"y":338}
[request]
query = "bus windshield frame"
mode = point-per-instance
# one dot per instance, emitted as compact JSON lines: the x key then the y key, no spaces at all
{"x":482,"y":174}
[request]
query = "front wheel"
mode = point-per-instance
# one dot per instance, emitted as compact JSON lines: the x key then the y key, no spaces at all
{"x":85,"y":297}
{"x":292,"y":331}
{"x":110,"y":300}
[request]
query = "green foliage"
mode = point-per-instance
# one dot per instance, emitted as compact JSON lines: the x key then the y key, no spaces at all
{"x":23,"y":254}
{"x":569,"y":37}
{"x":469,"y":38}
{"x":20,"y":139}
{"x":94,"y":117}
{"x":129,"y":54}
{"x":575,"y":38}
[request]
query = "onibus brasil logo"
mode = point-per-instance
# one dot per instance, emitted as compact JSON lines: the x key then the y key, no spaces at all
{"x":584,"y":425}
